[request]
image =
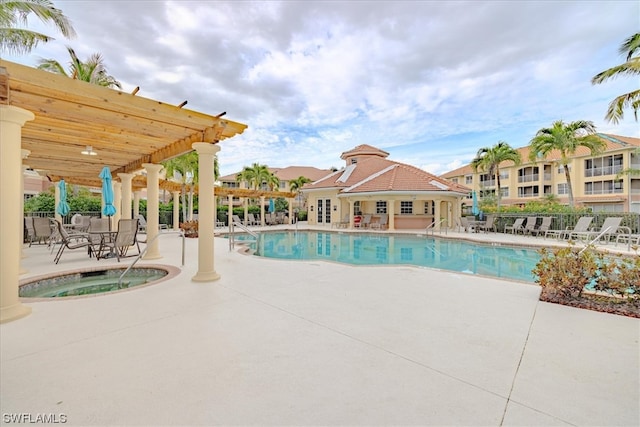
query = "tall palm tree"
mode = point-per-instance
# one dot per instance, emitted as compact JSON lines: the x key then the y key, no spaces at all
{"x":295,"y":186}
{"x":566,"y":138}
{"x":14,"y":14}
{"x":630,"y":47}
{"x":254,"y":175}
{"x":92,"y":71}
{"x":488,"y":160}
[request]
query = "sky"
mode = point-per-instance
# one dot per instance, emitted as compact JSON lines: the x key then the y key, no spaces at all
{"x":430,"y":82}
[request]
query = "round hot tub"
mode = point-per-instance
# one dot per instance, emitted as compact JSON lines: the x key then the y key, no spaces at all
{"x":93,"y":281}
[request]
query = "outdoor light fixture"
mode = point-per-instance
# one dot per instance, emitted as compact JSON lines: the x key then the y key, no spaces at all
{"x":89,"y":151}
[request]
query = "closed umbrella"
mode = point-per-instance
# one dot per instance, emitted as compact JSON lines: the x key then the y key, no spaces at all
{"x":107,"y":193}
{"x":474,"y":207}
{"x":63,"y":206}
{"x":272,"y":206}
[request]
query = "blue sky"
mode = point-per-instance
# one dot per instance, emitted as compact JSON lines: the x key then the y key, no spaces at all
{"x":430,"y":82}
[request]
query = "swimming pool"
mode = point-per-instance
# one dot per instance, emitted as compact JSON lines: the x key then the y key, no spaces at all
{"x":400,"y":249}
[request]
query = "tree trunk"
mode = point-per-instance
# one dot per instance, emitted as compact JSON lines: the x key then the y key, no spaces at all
{"x":498,"y":195}
{"x":569,"y":186}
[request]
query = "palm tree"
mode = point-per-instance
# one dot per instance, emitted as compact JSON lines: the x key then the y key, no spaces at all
{"x":15,"y":13}
{"x":184,"y":169}
{"x":92,"y":71}
{"x":488,"y":160}
{"x":630,"y":47}
{"x":295,"y":185}
{"x":565,"y":138}
{"x":254,"y":175}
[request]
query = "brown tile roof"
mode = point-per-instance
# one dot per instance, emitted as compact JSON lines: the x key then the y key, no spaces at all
{"x":375,"y":174}
{"x":364,"y":149}
{"x":288,"y":173}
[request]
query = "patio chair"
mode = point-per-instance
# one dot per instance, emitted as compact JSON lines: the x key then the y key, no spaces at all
{"x":28,"y":225}
{"x":463,"y":223}
{"x":43,"y":229}
{"x":70,"y":241}
{"x":124,"y":239}
{"x":544,"y":226}
{"x":341,"y":224}
{"x":142,"y":224}
{"x":382,"y":223}
{"x":490,"y":224}
{"x":518,"y":225}
{"x":581,"y":226}
{"x":236,"y":219}
{"x":609,"y":228}
{"x":253,"y":220}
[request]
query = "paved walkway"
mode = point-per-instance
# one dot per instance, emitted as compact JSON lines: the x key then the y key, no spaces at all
{"x":312,"y":343}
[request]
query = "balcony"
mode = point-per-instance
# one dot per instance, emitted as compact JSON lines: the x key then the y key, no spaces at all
{"x":606,"y":170}
{"x":593,"y":191}
{"x":529,"y":178}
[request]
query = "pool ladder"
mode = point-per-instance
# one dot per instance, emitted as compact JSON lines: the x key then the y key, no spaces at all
{"x":232,"y":226}
{"x":144,"y":251}
{"x":432,"y":227}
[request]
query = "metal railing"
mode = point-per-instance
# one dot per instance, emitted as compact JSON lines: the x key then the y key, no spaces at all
{"x":432,"y":227}
{"x":232,"y":233}
{"x":144,"y":251}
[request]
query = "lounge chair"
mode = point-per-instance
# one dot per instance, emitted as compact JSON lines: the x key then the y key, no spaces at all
{"x":530,"y":225}
{"x":236,"y":219}
{"x":70,"y":241}
{"x":463,"y":223}
{"x":490,"y":224}
{"x":124,"y":239}
{"x":609,"y":228}
{"x":544,"y":227}
{"x":581,"y":226}
{"x":253,"y":220}
{"x":518,"y":225}
{"x":365,"y":222}
{"x":341,"y":224}
{"x":382,"y":222}
{"x":142,"y":224}
{"x":28,"y":225}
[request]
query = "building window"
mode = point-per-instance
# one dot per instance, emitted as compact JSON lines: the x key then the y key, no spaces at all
{"x":429,"y":208}
{"x":356,"y":208}
{"x":563,"y":188}
{"x":468,"y":179}
{"x":454,"y":180}
{"x":406,"y":207}
{"x":531,"y":191}
{"x":561,"y":169}
{"x":504,"y":191}
{"x":381,"y":207}
{"x":487,"y":180}
{"x":504,"y":174}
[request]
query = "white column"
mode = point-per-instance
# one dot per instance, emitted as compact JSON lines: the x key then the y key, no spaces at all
{"x":246,"y":210}
{"x":11,"y":121}
{"x":136,"y":203}
{"x":262,"y":211}
{"x":125,"y":179}
{"x":437,"y":214}
{"x":230,"y":209}
{"x":25,"y":154}
{"x":291,"y":210}
{"x":153,"y":204}
{"x":176,"y":210}
{"x":206,"y":209}
{"x":351,"y":203}
{"x":391,"y":225}
{"x":117,"y":202}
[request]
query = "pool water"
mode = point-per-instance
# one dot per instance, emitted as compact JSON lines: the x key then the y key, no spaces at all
{"x":89,"y":282}
{"x":386,"y":249}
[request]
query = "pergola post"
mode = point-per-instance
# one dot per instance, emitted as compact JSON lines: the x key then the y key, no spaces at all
{"x":11,"y":121}
{"x":262,"y":211}
{"x":25,"y":154}
{"x":117,"y":202}
{"x":230,"y":209}
{"x":136,"y":203}
{"x":206,"y":211}
{"x":153,"y":202}
{"x":125,"y":179}
{"x":176,"y":210}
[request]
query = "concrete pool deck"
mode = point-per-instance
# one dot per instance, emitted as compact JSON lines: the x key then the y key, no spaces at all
{"x":277,"y":342}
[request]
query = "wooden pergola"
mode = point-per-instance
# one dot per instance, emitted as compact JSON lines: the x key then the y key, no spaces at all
{"x":124,"y":130}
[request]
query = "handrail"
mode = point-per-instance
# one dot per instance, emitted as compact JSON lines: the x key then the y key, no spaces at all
{"x":180,"y":232}
{"x":595,"y":240}
{"x":432,"y":227}
{"x":232,"y":225}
